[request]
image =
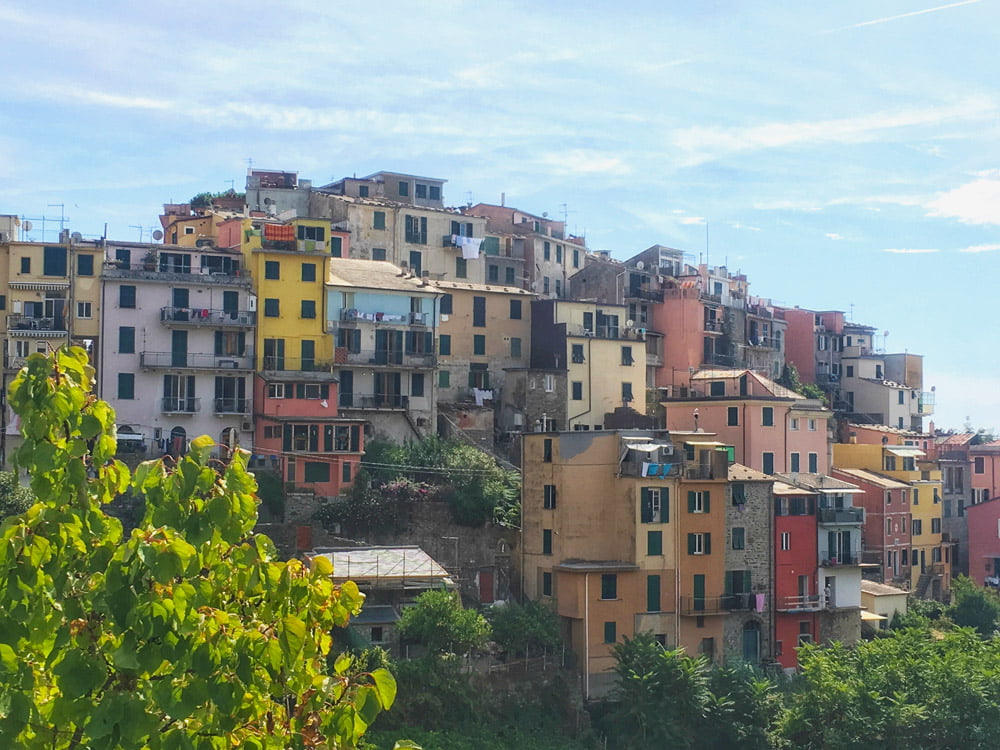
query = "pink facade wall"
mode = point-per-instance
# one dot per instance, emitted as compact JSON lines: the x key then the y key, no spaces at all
{"x":989,"y":478}
{"x":984,"y":539}
{"x":681,"y":319}
{"x":800,"y":342}
{"x":875,"y":537}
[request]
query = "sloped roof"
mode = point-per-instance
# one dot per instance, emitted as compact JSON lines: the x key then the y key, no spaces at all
{"x":769,"y":385}
{"x":741,"y":473}
{"x":880,"y":589}
{"x":384,"y":565}
{"x":372,"y":274}
{"x":497,"y":288}
{"x":877,"y":479}
{"x":818,"y":482}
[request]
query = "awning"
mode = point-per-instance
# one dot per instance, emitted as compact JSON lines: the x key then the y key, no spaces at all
{"x":871,"y":616}
{"x":706,"y":444}
{"x":647,"y":447}
{"x":905,"y":451}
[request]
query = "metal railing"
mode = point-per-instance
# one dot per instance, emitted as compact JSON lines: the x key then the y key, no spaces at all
{"x":841,"y":515}
{"x":713,"y":326}
{"x":22,"y":322}
{"x":801,"y":603}
{"x":387,"y":357}
{"x":181,"y":274}
{"x":353,"y":315}
{"x":716,"y":605}
{"x":838,"y":559}
{"x":232,"y":406}
{"x":373,"y":401}
{"x":208,"y":317}
{"x":416,"y":238}
{"x":188,"y":360}
{"x":180,"y":405}
{"x":653,"y":295}
{"x":296,"y":364}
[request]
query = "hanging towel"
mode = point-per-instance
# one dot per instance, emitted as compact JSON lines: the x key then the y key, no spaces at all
{"x":645,"y":468}
{"x":470,"y":247}
{"x":654,"y":469}
{"x":478,"y":395}
{"x":760,"y":602}
{"x":666,"y":469}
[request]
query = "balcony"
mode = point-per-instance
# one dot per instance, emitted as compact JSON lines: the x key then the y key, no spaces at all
{"x":654,"y":359}
{"x":180,"y":405}
{"x":839,"y":558}
{"x":19,"y":324}
{"x":801,"y":603}
{"x":764,"y":342}
{"x":239,"y":406}
{"x":189,"y":361}
{"x":352,"y":315}
{"x":702,"y":472}
{"x":925,"y":404}
{"x":706,"y":297}
{"x":390,"y":401}
{"x":172,"y":273}
{"x":416,"y":238}
{"x":644,"y":293}
{"x":834,"y":516}
{"x":296,"y":365}
{"x":186,"y":316}
{"x":386,"y":358}
{"x":713,"y":326}
{"x":697,"y":606}
{"x":664,"y":469}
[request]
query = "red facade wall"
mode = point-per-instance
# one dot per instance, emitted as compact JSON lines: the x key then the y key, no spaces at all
{"x":799,"y":560}
{"x":984,"y":539}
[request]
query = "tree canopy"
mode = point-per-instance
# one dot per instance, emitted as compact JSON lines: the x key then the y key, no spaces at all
{"x":189,"y":633}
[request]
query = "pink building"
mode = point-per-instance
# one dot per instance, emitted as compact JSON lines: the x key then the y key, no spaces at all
{"x":985,"y":476}
{"x":813,"y":343}
{"x":984,"y":541}
{"x":691,"y":324}
{"x":772,"y":429}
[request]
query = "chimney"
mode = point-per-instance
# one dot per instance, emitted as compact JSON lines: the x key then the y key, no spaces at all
{"x":503,"y":199}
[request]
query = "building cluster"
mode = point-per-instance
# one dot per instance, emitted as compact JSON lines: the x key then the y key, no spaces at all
{"x":671,"y":482}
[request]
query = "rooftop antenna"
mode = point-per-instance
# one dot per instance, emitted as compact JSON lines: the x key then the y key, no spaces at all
{"x":852,"y":312}
{"x":232,"y":184}
{"x":707,"y":262}
{"x":62,"y":215}
{"x":140,"y":228}
{"x":250,"y":162}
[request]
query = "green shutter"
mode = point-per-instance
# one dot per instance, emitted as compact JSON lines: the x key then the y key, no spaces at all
{"x":708,"y":544}
{"x":654,"y":542}
{"x":705,"y":500}
{"x":729,"y":582}
{"x":652,"y":593}
{"x":690,"y":544}
{"x":286,"y":439}
{"x":691,"y":497}
{"x":646,"y":513}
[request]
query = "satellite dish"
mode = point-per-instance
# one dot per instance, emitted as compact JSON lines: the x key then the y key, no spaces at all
{"x":629,"y":323}
{"x":640,"y":264}
{"x":157,"y":235}
{"x":28,"y":226}
{"x":76,"y":237}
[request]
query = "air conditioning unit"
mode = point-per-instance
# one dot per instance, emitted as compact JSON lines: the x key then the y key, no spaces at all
{"x":246,"y":426}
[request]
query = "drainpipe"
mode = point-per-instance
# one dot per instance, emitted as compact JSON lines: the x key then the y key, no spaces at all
{"x":586,"y":635}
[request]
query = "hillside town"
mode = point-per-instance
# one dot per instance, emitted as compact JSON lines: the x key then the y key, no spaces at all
{"x":733,"y":476}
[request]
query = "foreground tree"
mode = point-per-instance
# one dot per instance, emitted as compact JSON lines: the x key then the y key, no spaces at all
{"x":190,"y":633}
{"x":438,"y":621}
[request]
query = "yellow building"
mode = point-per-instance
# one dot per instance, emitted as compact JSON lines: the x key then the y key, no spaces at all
{"x":930,"y":555}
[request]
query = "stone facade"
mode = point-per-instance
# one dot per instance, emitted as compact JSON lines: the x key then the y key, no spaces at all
{"x":841,"y":625}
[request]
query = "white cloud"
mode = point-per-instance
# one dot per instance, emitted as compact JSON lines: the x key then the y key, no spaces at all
{"x":980,"y":249}
{"x":585,"y":161}
{"x":834,"y":236}
{"x":976,"y":202}
{"x":699,"y":220}
{"x":911,"y":250}
{"x":740,"y":225}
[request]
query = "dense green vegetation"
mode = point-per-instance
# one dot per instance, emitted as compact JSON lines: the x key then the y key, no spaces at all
{"x":187,"y":633}
{"x":15,"y":498}
{"x":438,"y":621}
{"x":395,"y":477}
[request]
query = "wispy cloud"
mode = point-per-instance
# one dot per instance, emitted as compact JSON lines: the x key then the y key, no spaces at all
{"x":697,"y":220}
{"x":980,"y":249}
{"x":976,"y":202}
{"x":887,"y":19}
{"x":834,"y":236}
{"x":585,"y":161}
{"x":911,"y":250}
{"x":741,"y":225}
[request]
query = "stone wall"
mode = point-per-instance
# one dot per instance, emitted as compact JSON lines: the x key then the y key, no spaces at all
{"x":842,"y":625}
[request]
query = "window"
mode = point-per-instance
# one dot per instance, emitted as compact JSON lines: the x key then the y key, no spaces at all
{"x":767,"y":463}
{"x":654,"y":543}
{"x":461,"y":268}
{"x":271,"y":308}
{"x":421,"y":190}
{"x":316,"y":471}
{"x":576,"y":259}
{"x":434,"y":192}
{"x":84,"y":265}
{"x":979,"y":464}
{"x":547,"y":450}
{"x":935,"y":525}
{"x":739,"y":538}
{"x":508,"y":276}
{"x":888,"y":526}
{"x":652,"y":593}
{"x":549,"y":497}
{"x":416,"y":229}
{"x":126,"y":296}
{"x":25,"y":265}
{"x":378,"y":220}
{"x":558,"y":288}
{"x":786,"y":540}
{"x":654,"y":505}
{"x":610,"y":632}
{"x":378,"y":253}
{"x":793,"y":463}
{"x":308,"y":308}
{"x":304,"y":232}
{"x":479,"y":312}
{"x":444,"y":379}
{"x":545,"y":284}
{"x":547,"y":251}
{"x":793,"y":423}
{"x":577,"y":354}
{"x":444,"y":344}
{"x":54,"y":261}
{"x":447,"y":304}
{"x":814,"y":463}
{"x":609,"y":586}
{"x":699,"y":501}
{"x":272,"y":269}
{"x":3,"y":301}
{"x":84,"y":310}
{"x":515,"y":348}
{"x":739,"y":493}
{"x":546,"y":541}
{"x":850,"y":371}
{"x":627,"y":392}
{"x":126,"y":340}
{"x":577,"y":390}
{"x":767,"y":416}
{"x":479,"y":344}
{"x":417,"y":384}
{"x":126,"y":386}
{"x":404,"y":189}
{"x":717,"y":388}
{"x":627,"y":356}
{"x":812,"y":425}
{"x":548,"y":383}
{"x":275,"y":390}
{"x":546,"y":584}
{"x":493,"y":272}
{"x":916,"y":496}
{"x":699,"y":544}
{"x":309,"y":272}
{"x":733,"y":416}
{"x":362,"y":191}
{"x":336,"y":246}
{"x":916,"y":527}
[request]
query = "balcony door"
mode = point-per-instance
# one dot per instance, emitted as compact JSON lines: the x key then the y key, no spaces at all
{"x":751,"y":642}
{"x":346,"y":388}
{"x":699,"y":593}
{"x":388,"y":389}
{"x":178,"y":348}
{"x":388,"y":347}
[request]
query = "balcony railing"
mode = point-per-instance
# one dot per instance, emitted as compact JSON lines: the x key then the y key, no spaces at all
{"x":353,"y":315}
{"x":374,"y":401}
{"x":716,"y":605}
{"x":699,"y":471}
{"x":653,"y":295}
{"x":232,"y":406}
{"x":175,"y":273}
{"x":925,"y":404}
{"x":713,"y":326}
{"x":185,"y":360}
{"x":207,"y":317}
{"x":842,"y":515}
{"x":764,"y":342}
{"x":180,"y":405}
{"x":802,"y":603}
{"x":385,"y":357}
{"x":296,"y":364}
{"x":600,"y":332}
{"x":838,"y":559}
{"x":20,"y":322}
{"x":634,"y":469}
{"x":416,"y":238}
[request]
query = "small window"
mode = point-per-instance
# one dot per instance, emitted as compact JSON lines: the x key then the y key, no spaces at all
{"x":793,"y":463}
{"x":546,"y":541}
{"x":654,"y":543}
{"x":547,"y":251}
{"x":699,"y":544}
{"x":434,"y":192}
{"x":515,"y":348}
{"x":717,"y":388}
{"x":479,"y":312}
{"x":316,"y":471}
{"x":420,"y":190}
{"x":609,"y":586}
{"x":549,"y":497}
{"x":309,"y":272}
{"x":793,"y":423}
{"x":576,"y":354}
{"x":979,"y":464}
{"x":271,"y":308}
{"x":444,"y":345}
{"x":378,"y":253}
{"x":627,"y":356}
{"x":576,"y":259}
{"x":546,"y":584}
{"x":84,"y":310}
{"x":767,"y":416}
{"x":461,"y":268}
{"x":404,"y":189}
{"x":493,"y":273}
{"x":767,"y":462}
{"x":275,"y":390}
{"x":699,"y":501}
{"x":126,"y":386}
{"x":813,"y":463}
{"x":627,"y":393}
{"x":610,"y":632}
{"x":444,"y":379}
{"x":308,"y":308}
{"x":272,"y":269}
{"x":739,"y":538}
{"x":126,"y":340}
{"x":126,"y":296}
{"x":812,"y":425}
{"x":479,"y":345}
{"x":362,"y":191}
{"x":547,"y":450}
{"x":84,"y":265}
{"x":577,"y":390}
{"x":733,"y":416}
{"x":508,"y":276}
{"x":786,"y":540}
{"x":417,"y":384}
{"x":25,"y":265}
{"x":515,"y":309}
{"x":447,"y":304}
{"x":378,"y":220}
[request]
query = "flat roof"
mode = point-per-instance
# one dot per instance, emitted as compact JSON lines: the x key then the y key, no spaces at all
{"x":383,"y":564}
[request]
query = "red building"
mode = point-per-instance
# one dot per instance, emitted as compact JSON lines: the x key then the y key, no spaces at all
{"x":797,"y":598}
{"x":885,"y":535}
{"x":984,"y":542}
{"x":299,"y":434}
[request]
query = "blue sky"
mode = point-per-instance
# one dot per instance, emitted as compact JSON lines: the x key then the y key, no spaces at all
{"x":843,"y":157}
